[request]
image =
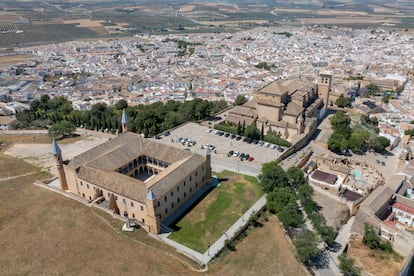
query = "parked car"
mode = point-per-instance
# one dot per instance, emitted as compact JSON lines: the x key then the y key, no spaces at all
{"x":246,"y":156}
{"x":208,"y":130}
{"x":273,"y":146}
{"x":227,"y":135}
{"x":250,"y":158}
{"x":211,"y":147}
{"x":266,"y":145}
{"x":232,"y":136}
{"x":230,"y":153}
{"x":241,"y":156}
{"x":236,"y":153}
{"x":238,"y":138}
{"x":261,"y":143}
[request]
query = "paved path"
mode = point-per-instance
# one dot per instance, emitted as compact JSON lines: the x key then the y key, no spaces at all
{"x":217,"y":246}
{"x":342,"y":238}
{"x":17,"y":176}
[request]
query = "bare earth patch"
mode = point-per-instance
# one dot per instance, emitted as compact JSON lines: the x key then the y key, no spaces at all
{"x":335,"y":213}
{"x":41,"y":154}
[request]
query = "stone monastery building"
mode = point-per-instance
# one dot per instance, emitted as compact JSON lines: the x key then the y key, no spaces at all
{"x":289,"y":107}
{"x":135,"y":177}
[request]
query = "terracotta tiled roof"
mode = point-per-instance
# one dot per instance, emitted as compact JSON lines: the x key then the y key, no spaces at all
{"x":403,"y":207}
{"x":99,"y":165}
{"x":293,"y":109}
{"x":251,"y":104}
{"x":115,"y":182}
{"x":243,"y":111}
{"x":124,"y":148}
{"x":275,"y":88}
{"x":233,"y":118}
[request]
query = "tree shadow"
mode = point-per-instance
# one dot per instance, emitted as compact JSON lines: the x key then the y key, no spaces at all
{"x":320,"y":260}
{"x":334,"y":247}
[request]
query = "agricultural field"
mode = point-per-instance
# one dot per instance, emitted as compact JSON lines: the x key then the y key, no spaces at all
{"x":43,"y":22}
{"x":217,"y":211}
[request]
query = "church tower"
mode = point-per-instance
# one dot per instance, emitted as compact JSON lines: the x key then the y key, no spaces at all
{"x":324,"y":88}
{"x":57,"y":153}
{"x":152,"y":220}
{"x":124,"y":121}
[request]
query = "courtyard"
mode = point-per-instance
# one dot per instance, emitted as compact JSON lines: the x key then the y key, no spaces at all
{"x":217,"y":211}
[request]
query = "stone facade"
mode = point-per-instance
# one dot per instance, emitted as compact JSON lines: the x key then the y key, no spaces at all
{"x":288,"y":107}
{"x":136,"y":177}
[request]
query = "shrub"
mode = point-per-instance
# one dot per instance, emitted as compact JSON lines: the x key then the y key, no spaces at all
{"x":230,"y":244}
{"x":226,"y":127}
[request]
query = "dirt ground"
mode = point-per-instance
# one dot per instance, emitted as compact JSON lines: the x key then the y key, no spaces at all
{"x":375,"y":262}
{"x":265,"y":251}
{"x":335,"y":213}
{"x":39,"y":152}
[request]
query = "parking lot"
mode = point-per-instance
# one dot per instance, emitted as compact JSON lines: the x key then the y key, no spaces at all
{"x":222,"y":146}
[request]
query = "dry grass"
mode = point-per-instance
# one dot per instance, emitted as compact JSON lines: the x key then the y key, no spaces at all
{"x":9,"y":60}
{"x":42,"y":232}
{"x":375,"y":262}
{"x":187,"y":8}
{"x":265,"y":251}
{"x":34,"y":139}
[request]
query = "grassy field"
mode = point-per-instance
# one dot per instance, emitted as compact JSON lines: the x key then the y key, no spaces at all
{"x":207,"y":221}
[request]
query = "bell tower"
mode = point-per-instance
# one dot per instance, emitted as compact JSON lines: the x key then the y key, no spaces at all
{"x":324,"y":88}
{"x":57,"y":153}
{"x":124,"y":121}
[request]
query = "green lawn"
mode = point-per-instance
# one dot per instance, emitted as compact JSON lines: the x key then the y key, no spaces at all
{"x":215,"y":213}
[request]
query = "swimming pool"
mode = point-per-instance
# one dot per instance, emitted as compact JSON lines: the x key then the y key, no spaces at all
{"x":357,"y":174}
